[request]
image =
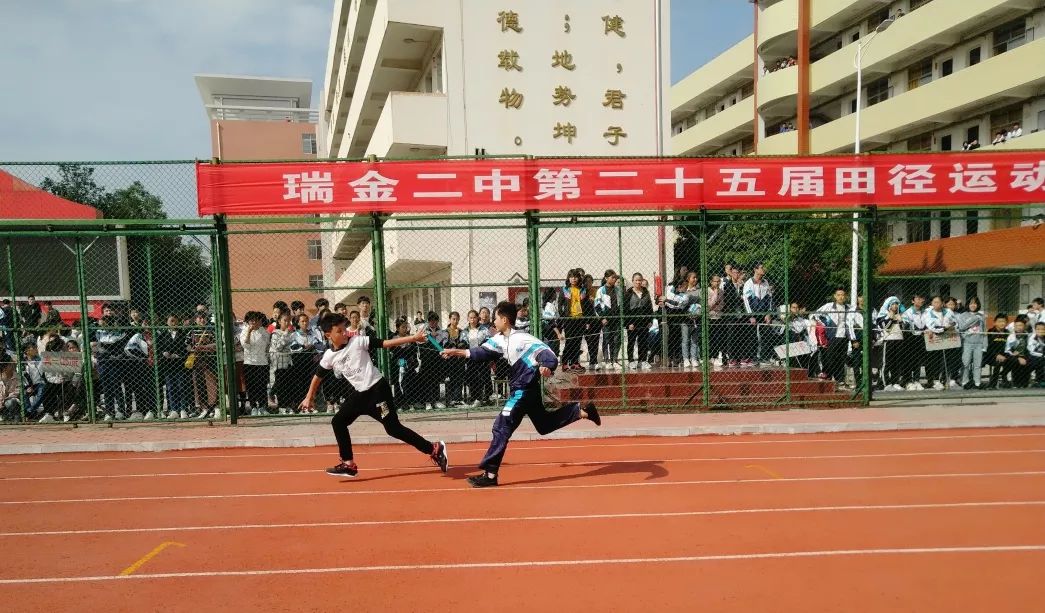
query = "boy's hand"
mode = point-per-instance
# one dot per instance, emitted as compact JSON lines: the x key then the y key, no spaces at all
{"x":421,"y":336}
{"x":545,"y":371}
{"x":307,"y":404}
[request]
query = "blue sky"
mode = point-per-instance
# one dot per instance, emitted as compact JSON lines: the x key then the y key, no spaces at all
{"x":112,"y":79}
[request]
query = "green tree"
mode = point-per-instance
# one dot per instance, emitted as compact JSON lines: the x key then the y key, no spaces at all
{"x":181,"y":275}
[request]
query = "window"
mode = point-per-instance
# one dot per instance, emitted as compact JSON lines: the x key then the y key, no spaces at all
{"x":971,"y":289}
{"x":315,"y":281}
{"x":972,"y":222}
{"x":315,"y":249}
{"x":878,"y":91}
{"x":919,"y":3}
{"x":945,"y":224}
{"x":922,"y":142}
{"x":877,"y":18}
{"x":747,"y":91}
{"x":946,"y":67}
{"x":974,"y":56}
{"x":308,"y":143}
{"x":852,"y":106}
{"x":855,"y":37}
{"x":920,"y":74}
{"x":945,"y":143}
{"x":919,"y":229}
{"x":1010,"y":36}
{"x":972,"y":134}
{"x":945,"y":291}
{"x":1003,"y":119}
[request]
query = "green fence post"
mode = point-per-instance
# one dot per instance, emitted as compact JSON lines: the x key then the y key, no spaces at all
{"x":377,"y":246}
{"x":15,"y":325}
{"x":228,"y":331}
{"x":152,"y":329}
{"x":705,"y":325}
{"x":787,"y":315}
{"x":865,"y":342}
{"x":533,"y":258}
{"x":625,"y":354}
{"x":88,"y":362}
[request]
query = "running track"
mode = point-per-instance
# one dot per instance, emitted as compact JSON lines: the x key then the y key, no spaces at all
{"x":918,"y":521}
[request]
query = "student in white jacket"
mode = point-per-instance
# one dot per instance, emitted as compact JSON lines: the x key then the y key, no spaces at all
{"x":255,"y":341}
{"x":938,"y":320}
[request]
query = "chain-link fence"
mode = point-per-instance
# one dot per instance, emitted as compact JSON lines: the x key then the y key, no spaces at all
{"x":959,"y":310}
{"x":133,"y":308}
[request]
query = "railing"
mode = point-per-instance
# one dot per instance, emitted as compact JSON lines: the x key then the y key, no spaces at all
{"x":224,"y":112}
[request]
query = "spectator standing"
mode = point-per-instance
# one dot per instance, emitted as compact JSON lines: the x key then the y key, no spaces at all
{"x":738,"y":324}
{"x":202,"y":347}
{"x":972,"y":325}
{"x":281,"y":362}
{"x":939,"y":320}
{"x":405,"y":362}
{"x":172,"y":351}
{"x":835,"y":317}
{"x":638,"y":313}
{"x":758,"y":304}
{"x":455,"y":367}
{"x":108,"y":344}
{"x":431,"y":373}
{"x":607,"y":307}
{"x":477,"y":374}
{"x":255,"y":340}
{"x":716,"y":332}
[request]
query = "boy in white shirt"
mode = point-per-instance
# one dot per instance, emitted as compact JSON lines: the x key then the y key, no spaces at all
{"x":370,"y":393}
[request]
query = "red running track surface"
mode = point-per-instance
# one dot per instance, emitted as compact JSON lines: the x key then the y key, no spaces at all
{"x":921,"y":521}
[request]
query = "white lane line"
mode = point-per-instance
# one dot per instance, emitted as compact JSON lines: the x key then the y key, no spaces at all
{"x":477,"y":520}
{"x":855,"y":456}
{"x":536,"y":563}
{"x":521,"y":446}
{"x":508,"y":488}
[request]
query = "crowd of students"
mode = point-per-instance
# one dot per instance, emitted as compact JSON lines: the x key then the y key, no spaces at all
{"x":171,"y":371}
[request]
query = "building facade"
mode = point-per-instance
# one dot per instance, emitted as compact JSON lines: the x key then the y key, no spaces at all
{"x":424,"y":78}
{"x":262,"y":118}
{"x":938,"y":75}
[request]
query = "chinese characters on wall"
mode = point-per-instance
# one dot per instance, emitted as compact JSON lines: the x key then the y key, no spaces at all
{"x":562,"y":95}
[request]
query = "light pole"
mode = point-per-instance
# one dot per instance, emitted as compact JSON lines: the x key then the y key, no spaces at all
{"x":857,"y":62}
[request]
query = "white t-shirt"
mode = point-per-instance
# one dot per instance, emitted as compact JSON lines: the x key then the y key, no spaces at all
{"x":353,"y":363}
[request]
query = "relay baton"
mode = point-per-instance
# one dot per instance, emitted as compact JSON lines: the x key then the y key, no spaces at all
{"x":435,"y":343}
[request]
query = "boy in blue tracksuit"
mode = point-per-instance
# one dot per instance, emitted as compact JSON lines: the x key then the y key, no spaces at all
{"x":529,"y":360}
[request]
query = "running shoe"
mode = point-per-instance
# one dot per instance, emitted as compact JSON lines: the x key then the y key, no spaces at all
{"x":593,"y":413}
{"x":482,"y":480}
{"x":343,"y":470}
{"x":439,"y":456}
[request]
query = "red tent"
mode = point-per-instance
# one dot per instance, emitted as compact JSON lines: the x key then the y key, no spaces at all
{"x":20,"y":200}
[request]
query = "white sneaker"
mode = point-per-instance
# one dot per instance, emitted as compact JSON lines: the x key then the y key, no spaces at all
{"x":150,"y":415}
{"x":616,"y":366}
{"x":474,"y":403}
{"x":107,"y":417}
{"x":46,"y":419}
{"x":953,"y":383}
{"x":440,"y":405}
{"x":633,"y":365}
{"x":67,"y":418}
{"x":912,"y":387}
{"x":428,"y":406}
{"x":282,"y":411}
{"x":184,"y":414}
{"x":495,"y":396}
{"x":937,"y":386}
{"x":645,"y":366}
{"x":598,"y":366}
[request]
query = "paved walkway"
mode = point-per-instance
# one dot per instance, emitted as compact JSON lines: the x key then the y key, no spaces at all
{"x":305,"y":432}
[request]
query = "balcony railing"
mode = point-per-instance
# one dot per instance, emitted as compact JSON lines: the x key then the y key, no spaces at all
{"x":261,"y":113}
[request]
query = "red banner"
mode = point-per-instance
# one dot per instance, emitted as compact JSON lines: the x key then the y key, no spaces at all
{"x":449,"y":186}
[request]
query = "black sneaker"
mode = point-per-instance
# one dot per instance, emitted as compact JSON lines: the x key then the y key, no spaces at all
{"x":343,"y":470}
{"x":593,"y":413}
{"x":482,"y":480}
{"x":439,"y":456}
